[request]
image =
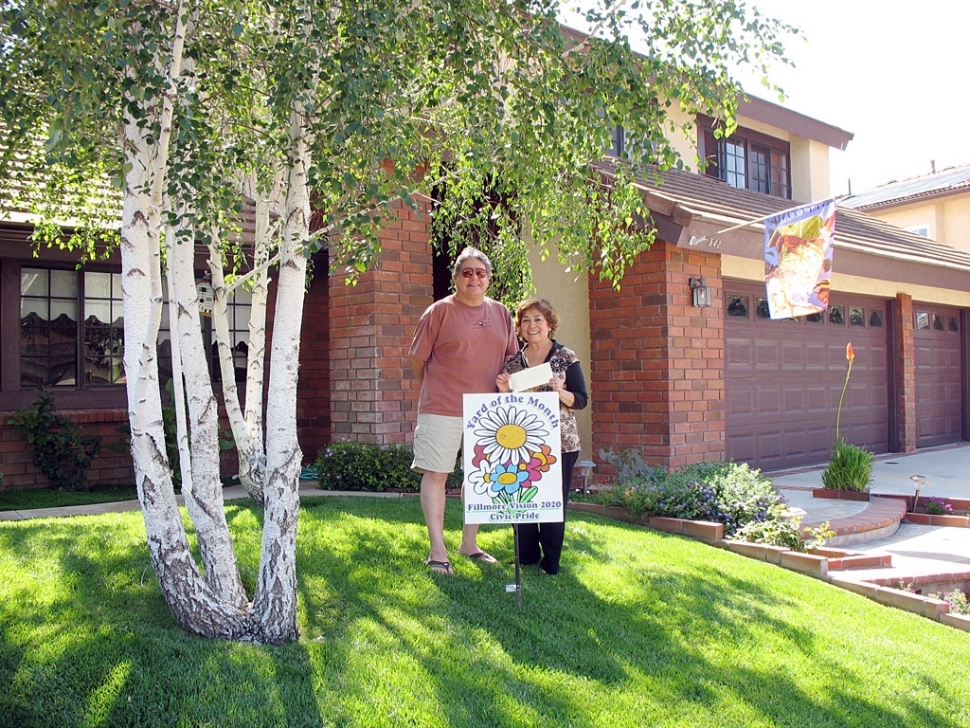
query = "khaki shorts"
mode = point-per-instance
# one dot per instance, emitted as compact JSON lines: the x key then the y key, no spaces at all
{"x":437,"y":442}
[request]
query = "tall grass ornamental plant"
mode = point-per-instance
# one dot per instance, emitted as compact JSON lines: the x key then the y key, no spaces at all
{"x":851,"y":466}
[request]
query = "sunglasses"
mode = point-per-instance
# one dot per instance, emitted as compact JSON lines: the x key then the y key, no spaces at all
{"x":469,"y":272}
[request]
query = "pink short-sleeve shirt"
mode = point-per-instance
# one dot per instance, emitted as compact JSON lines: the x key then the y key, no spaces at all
{"x":463,"y":348}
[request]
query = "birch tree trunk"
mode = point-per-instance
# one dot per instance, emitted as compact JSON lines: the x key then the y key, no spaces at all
{"x":196,"y":607}
{"x":246,"y":424}
{"x":203,"y":497}
{"x":275,"y":604}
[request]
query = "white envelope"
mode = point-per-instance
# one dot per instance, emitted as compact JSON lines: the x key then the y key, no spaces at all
{"x":530,"y":378}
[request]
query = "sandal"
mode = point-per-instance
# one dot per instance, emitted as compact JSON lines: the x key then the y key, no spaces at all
{"x":439,"y":567}
{"x":483,"y":557}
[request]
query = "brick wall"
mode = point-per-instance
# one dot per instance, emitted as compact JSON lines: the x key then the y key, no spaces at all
{"x":657,"y":369}
{"x":313,"y":421}
{"x":906,"y":373}
{"x":373,"y":393}
{"x":109,"y":467}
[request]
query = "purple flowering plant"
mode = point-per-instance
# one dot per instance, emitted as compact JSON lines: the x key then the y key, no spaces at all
{"x":937,"y":507}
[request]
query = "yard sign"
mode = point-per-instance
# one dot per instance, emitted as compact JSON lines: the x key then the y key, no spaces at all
{"x":511,"y":457}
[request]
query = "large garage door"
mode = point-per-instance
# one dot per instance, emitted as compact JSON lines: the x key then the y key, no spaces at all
{"x":783,"y":379}
{"x":939,"y":360}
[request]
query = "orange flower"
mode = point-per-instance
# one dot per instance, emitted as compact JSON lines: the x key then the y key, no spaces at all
{"x":850,"y":355}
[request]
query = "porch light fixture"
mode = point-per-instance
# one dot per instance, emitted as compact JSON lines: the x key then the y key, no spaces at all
{"x":701,"y":292}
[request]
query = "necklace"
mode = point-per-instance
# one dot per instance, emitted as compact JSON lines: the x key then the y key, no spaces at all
{"x":534,"y":357}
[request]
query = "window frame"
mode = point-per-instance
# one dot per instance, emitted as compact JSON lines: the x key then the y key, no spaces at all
{"x":774,"y":153}
{"x":14,"y":394}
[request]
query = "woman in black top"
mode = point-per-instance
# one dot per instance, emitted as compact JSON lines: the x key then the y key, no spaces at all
{"x":537,"y":321}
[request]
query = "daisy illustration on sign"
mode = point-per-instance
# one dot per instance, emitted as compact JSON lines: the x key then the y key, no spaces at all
{"x":511,"y":458}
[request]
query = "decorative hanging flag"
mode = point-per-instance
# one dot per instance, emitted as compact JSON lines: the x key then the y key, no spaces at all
{"x":798,"y":259}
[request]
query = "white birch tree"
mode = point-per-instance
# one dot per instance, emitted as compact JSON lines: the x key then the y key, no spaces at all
{"x":353,"y":105}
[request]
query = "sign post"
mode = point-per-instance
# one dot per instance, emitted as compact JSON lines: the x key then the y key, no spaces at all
{"x":512,"y":460}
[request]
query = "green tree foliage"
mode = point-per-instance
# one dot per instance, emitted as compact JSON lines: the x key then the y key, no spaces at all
{"x":490,"y":101}
{"x":189,"y":107}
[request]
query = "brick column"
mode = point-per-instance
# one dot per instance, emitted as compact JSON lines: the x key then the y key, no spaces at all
{"x":657,"y":370}
{"x":373,"y":393}
{"x":905,"y":373}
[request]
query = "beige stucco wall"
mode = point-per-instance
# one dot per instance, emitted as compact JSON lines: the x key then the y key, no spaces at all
{"x":684,"y":143}
{"x":754,"y":270}
{"x":810,"y":170}
{"x":948,"y":218}
{"x":569,"y":295}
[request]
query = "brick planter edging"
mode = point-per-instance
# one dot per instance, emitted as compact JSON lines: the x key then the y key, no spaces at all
{"x":706,"y":531}
{"x":925,"y":519}
{"x":853,"y":495}
{"x":935,"y":609}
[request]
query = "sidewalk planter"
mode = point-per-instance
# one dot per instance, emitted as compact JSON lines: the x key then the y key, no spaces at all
{"x":853,"y":495}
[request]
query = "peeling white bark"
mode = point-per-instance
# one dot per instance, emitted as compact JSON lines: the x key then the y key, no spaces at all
{"x":199,"y":608}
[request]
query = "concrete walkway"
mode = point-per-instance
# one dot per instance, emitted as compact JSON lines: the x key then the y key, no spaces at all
{"x":916,"y":550}
{"x":236,"y":492}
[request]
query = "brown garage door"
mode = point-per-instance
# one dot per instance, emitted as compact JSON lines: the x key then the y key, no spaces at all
{"x":939,"y":360}
{"x":783,"y":379}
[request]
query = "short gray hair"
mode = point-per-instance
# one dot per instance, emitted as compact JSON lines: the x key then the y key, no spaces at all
{"x":467,"y":254}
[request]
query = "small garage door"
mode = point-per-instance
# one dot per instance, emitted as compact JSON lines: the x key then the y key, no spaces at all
{"x":783,"y":379}
{"x":939,"y":389}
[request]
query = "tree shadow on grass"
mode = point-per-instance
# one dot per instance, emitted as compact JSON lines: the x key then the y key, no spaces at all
{"x":651,"y":636}
{"x":87,"y":639}
{"x":639,"y":628}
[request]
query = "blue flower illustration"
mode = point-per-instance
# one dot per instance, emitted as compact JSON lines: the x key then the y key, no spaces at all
{"x":508,"y":477}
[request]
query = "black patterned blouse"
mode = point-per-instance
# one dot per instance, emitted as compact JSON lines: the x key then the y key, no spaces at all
{"x":565,"y":366}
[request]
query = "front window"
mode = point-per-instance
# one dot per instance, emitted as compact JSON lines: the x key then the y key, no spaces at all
{"x":72,"y":330}
{"x":48,"y":327}
{"x":104,"y":329}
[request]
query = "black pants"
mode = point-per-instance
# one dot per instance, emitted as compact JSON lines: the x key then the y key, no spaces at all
{"x":541,"y":543}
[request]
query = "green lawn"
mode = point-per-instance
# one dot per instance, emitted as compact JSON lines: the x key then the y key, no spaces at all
{"x":640,"y":629}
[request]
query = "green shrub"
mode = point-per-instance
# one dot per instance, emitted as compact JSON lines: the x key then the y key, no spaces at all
{"x":937,"y":507}
{"x":728,"y":493}
{"x":779,"y":530}
{"x":849,"y":469}
{"x":61,"y":452}
{"x":349,"y":465}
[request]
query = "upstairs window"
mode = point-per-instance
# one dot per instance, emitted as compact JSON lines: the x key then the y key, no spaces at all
{"x":624,"y":144}
{"x":747,"y":160}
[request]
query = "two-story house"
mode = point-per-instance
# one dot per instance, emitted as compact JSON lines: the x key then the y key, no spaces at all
{"x":680,"y":382}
